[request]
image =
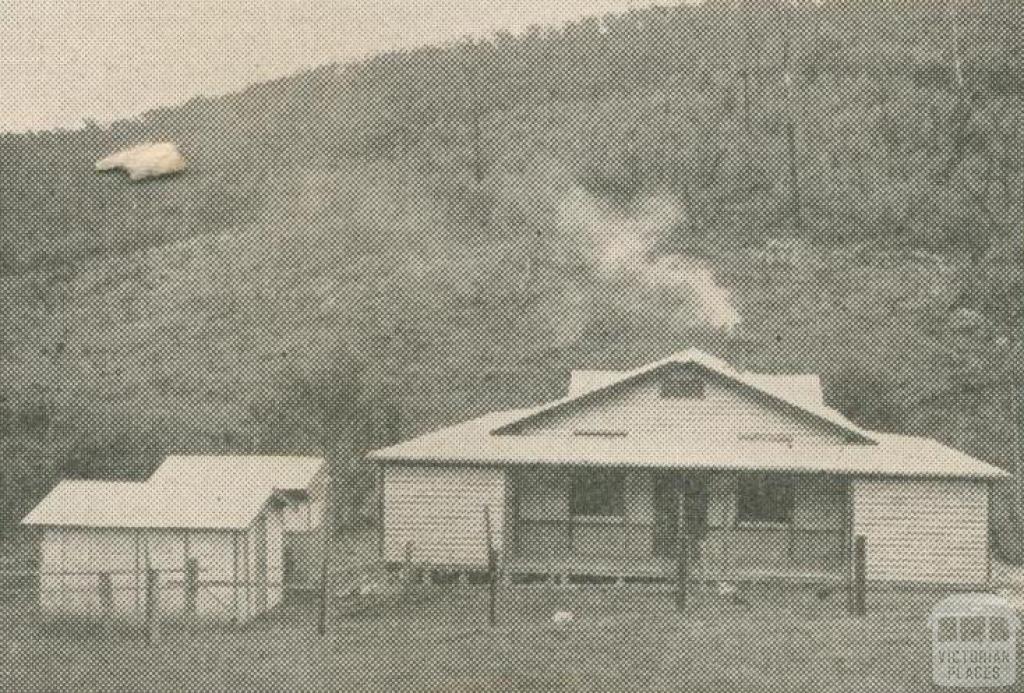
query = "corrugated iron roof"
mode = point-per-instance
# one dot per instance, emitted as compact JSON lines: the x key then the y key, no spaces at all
{"x":753,"y":382}
{"x":582,"y":381}
{"x":802,"y":388}
{"x":892,"y":455}
{"x":223,"y":471}
{"x":186,"y":491}
{"x":128,"y":504}
{"x":484,"y":440}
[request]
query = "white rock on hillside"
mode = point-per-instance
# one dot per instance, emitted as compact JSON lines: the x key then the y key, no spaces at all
{"x":147,"y":160}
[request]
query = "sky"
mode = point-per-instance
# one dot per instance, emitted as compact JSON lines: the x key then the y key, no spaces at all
{"x":62,"y":61}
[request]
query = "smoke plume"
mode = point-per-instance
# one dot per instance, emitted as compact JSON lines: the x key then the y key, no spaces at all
{"x":622,"y":244}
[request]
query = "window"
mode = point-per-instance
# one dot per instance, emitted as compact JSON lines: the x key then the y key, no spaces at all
{"x":682,"y":386}
{"x":597,"y":493}
{"x":765,"y":498}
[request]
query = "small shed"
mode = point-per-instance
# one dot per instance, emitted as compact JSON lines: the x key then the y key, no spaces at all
{"x":302,"y":482}
{"x":99,"y":538}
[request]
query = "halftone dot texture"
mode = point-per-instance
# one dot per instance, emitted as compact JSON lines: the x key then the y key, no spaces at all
{"x":356,"y":255}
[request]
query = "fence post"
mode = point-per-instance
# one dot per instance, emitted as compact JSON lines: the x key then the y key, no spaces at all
{"x":682,"y":571}
{"x":106,"y":593}
{"x":3,"y":513}
{"x":106,"y":590}
{"x":859,"y":604}
{"x":321,"y":623}
{"x":407,"y":567}
{"x":191,"y":585}
{"x":152,"y":597}
{"x":287,"y":567}
{"x":492,"y":585}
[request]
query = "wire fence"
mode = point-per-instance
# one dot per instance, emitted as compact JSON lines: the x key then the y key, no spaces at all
{"x":146,"y":600}
{"x":150,"y":599}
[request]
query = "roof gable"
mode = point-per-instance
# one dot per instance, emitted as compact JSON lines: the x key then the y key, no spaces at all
{"x":797,"y":397}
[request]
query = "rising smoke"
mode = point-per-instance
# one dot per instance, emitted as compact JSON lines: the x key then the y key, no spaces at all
{"x":622,"y":242}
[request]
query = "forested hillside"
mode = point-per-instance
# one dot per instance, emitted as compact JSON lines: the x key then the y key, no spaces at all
{"x":366,"y":251}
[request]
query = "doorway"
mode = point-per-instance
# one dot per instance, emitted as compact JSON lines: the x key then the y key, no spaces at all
{"x":680,"y":504}
{"x":666,"y":514}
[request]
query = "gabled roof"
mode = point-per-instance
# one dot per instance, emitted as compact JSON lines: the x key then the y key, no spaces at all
{"x":126,"y":504}
{"x":487,"y":440}
{"x":472,"y":443}
{"x":581,"y":382}
{"x":803,"y":388}
{"x":225,"y":471}
{"x":792,"y":396}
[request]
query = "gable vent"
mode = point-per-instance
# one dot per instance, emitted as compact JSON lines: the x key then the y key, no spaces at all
{"x":682,"y":386}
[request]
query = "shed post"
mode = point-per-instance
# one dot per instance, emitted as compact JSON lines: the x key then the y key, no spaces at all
{"x":137,"y":574}
{"x":152,"y":592}
{"x":321,"y":623}
{"x":234,"y":576}
{"x":858,"y":603}
{"x":191,"y":585}
{"x":682,"y":571}
{"x":407,"y":567}
{"x":381,"y":509}
{"x":106,"y":591}
{"x":3,"y":512}
{"x":491,"y":568}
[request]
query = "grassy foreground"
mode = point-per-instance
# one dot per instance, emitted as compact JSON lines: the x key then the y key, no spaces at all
{"x":619,"y":640}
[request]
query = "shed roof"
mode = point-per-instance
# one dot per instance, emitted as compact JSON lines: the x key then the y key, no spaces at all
{"x":127,"y":504}
{"x":224,"y":471}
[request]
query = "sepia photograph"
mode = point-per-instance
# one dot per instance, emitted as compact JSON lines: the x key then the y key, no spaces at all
{"x":468,"y":346}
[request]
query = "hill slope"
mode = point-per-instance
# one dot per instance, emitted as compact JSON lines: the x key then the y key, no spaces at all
{"x":435,"y":233}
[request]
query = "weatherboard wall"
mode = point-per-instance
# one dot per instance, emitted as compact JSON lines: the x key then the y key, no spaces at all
{"x":307,"y":514}
{"x":725,"y":411}
{"x":72,"y":558}
{"x":438,"y":513}
{"x":933,"y":531}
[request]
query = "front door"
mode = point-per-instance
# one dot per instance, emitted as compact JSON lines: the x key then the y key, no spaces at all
{"x":666,"y":514}
{"x":694,"y":521}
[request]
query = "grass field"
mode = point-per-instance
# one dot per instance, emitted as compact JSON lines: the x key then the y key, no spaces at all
{"x":620,"y":640}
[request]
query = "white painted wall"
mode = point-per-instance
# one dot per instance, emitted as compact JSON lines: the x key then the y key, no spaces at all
{"x":71,"y":550}
{"x":726,"y":412}
{"x":440,"y":510}
{"x":125,"y":553}
{"x":307,"y":515}
{"x":923,"y":530}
